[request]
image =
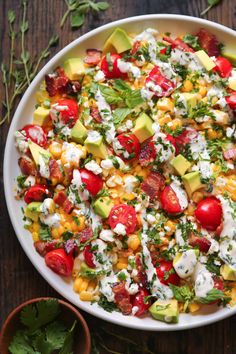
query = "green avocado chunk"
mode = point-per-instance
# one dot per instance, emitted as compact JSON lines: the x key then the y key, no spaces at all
{"x":32,"y":210}
{"x":165,"y":310}
{"x":227,"y":272}
{"x":96,"y":147}
{"x":74,"y":68}
{"x":37,"y":150}
{"x":41,"y":116}
{"x":102,"y":206}
{"x":180,"y":164}
{"x":230,"y":54}
{"x":87,"y":272}
{"x":78,"y":132}
{"x":143,"y":127}
{"x":192,"y":182}
{"x":118,"y":41}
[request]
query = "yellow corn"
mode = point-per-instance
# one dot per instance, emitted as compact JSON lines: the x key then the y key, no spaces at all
{"x":214,"y":100}
{"x":176,"y":123}
{"x":191,"y":209}
{"x":133,"y":242}
{"x":187,"y":86}
{"x":165,"y":104}
{"x":213,"y":134}
{"x":55,"y":149}
{"x":86,"y":296}
{"x":164,"y":120}
{"x":171,"y":225}
{"x":121,"y":266}
{"x":35,"y":227}
{"x":202,"y":91}
{"x":35,"y":236}
{"x":80,"y":284}
{"x":194,"y":307}
{"x":55,"y":233}
{"x":197,"y":196}
{"x":127,"y":196}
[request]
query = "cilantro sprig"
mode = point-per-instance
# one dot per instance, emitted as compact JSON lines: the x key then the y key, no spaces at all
{"x":43,"y":332}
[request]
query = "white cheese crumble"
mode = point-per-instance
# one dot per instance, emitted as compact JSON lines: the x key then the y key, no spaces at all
{"x":120,"y":229}
{"x":185,"y":265}
{"x":229,"y":222}
{"x":52,"y":220}
{"x":126,"y":67}
{"x":94,"y":167}
{"x":204,"y":283}
{"x":21,"y":142}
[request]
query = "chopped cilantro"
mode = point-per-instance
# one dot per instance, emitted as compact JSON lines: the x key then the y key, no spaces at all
{"x":106,"y":305}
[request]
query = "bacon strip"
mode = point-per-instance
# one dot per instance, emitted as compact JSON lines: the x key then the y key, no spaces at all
{"x":94,"y":112}
{"x":93,"y":57}
{"x":147,"y":153}
{"x":62,"y":200}
{"x":122,"y":298}
{"x":201,"y":242}
{"x":208,"y":42}
{"x":153,"y":185}
{"x":230,"y":154}
{"x":55,"y":171}
{"x":27,"y":166}
{"x":178,"y":43}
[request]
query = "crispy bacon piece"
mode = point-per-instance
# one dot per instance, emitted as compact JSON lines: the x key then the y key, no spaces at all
{"x":147,"y":153}
{"x":141,"y":277}
{"x":85,"y":235}
{"x":208,"y":42}
{"x":27,"y":166}
{"x":57,"y":82}
{"x":153,"y":185}
{"x":93,"y":57}
{"x":43,"y":247}
{"x":122,"y":298}
{"x":62,"y":200}
{"x":178,"y":43}
{"x":94,"y":112}
{"x":201,"y":242}
{"x":230,"y":154}
{"x":55,"y":171}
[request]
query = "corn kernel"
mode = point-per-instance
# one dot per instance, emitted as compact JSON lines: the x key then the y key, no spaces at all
{"x":77,"y":284}
{"x":127,"y":196}
{"x":164,"y":120}
{"x":202,"y":91}
{"x":187,"y":86}
{"x":165,"y":104}
{"x":193,"y":307}
{"x":176,"y":123}
{"x":55,"y":149}
{"x":121,"y":265}
{"x":86,"y":296}
{"x":55,"y":234}
{"x":133,"y":242}
{"x":35,"y":236}
{"x":171,"y":228}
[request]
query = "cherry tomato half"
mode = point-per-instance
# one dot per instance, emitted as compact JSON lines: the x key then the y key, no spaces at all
{"x":123,"y":214}
{"x":130,"y":144}
{"x":109,"y":66}
{"x":166,"y":273}
{"x":223,"y":66}
{"x":231,"y":100}
{"x":209,"y":213}
{"x":201,"y":242}
{"x":60,"y":262}
{"x":164,"y":85}
{"x":36,"y":193}
{"x":36,"y":134}
{"x":88,"y":256}
{"x":139,"y":301}
{"x":169,"y":201}
{"x":68,"y":111}
{"x":172,"y":140}
{"x":93,"y":183}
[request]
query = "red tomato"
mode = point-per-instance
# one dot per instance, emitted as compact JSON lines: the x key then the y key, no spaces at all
{"x":36,"y":134}
{"x":93,"y":183}
{"x":169,"y":201}
{"x":60,"y":262}
{"x":139,"y":301}
{"x":201,"y":242}
{"x":231,"y":100}
{"x":223,"y":66}
{"x":209,"y":213}
{"x":88,"y":256}
{"x":109,"y":66}
{"x":130,"y":144}
{"x":172,"y":140}
{"x":69,"y":114}
{"x":36,"y":193}
{"x":166,"y":273}
{"x":161,"y":81}
{"x":123,"y":214}
{"x":185,"y":137}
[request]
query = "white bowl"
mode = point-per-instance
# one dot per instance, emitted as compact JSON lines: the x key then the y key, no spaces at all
{"x":164,"y":23}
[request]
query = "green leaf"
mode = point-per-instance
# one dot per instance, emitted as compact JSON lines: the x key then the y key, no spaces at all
{"x":20,"y":344}
{"x":211,"y":3}
{"x":36,"y":315}
{"x":106,"y":305}
{"x":45,"y":233}
{"x":83,"y":8}
{"x":53,"y":40}
{"x":102,"y":5}
{"x":21,"y":181}
{"x":24,"y":26}
{"x":192,"y":41}
{"x":134,"y":99}
{"x":77,"y":19}
{"x":119,"y":114}
{"x":182,"y":293}
{"x":213,"y":295}
{"x":67,"y":347}
{"x":56,"y":334}
{"x":11,"y":16}
{"x":110,"y":95}
{"x":121,"y":85}
{"x":25,"y":56}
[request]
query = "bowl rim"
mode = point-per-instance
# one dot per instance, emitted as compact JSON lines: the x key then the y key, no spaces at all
{"x":67,"y":305}
{"x":100,"y":314}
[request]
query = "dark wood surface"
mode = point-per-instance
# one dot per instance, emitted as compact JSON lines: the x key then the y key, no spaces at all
{"x":19,"y":280}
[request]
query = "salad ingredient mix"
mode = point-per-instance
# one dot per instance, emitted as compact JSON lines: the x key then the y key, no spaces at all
{"x":128,"y":173}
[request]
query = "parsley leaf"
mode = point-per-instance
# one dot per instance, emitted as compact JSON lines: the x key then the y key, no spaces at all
{"x":213,"y":295}
{"x":192,"y":41}
{"x":45,"y":233}
{"x":36,"y":315}
{"x":111,"y":96}
{"x":106,"y":305}
{"x":119,"y":114}
{"x":20,"y":344}
{"x":182,"y":293}
{"x":68,"y":343}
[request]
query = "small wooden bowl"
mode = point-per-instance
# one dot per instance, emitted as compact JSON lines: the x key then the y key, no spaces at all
{"x":82,"y":342}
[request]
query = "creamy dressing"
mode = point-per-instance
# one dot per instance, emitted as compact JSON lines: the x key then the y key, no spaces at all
{"x":229,"y":222}
{"x":73,"y":154}
{"x":21,"y":142}
{"x":204,"y":283}
{"x":130,"y":182}
{"x":51,"y":220}
{"x":47,"y":205}
{"x":44,"y":166}
{"x":185,"y":265}
{"x":94,"y":167}
{"x":126,"y":67}
{"x":120,"y":229}
{"x":228,"y":252}
{"x":180,"y":193}
{"x":149,"y":35}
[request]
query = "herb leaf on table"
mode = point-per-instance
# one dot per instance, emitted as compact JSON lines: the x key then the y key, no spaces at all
{"x":211,"y":3}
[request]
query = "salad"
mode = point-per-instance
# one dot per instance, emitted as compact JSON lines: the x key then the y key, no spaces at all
{"x":128,"y":173}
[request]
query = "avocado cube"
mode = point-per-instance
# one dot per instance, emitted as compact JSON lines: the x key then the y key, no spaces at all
{"x":87,"y":272}
{"x":102,"y":206}
{"x":165,"y":310}
{"x":97,"y":148}
{"x":227,"y":272}
{"x":143,"y":127}
{"x":118,"y":41}
{"x":205,"y":60}
{"x":74,"y":68}
{"x":32,"y":210}
{"x":37,"y":150}
{"x":180,"y":164}
{"x":41,"y":116}
{"x":229,"y":54}
{"x":78,"y":132}
{"x":192,"y":182}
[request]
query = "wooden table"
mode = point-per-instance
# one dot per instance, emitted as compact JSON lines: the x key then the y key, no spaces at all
{"x":19,"y":280}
